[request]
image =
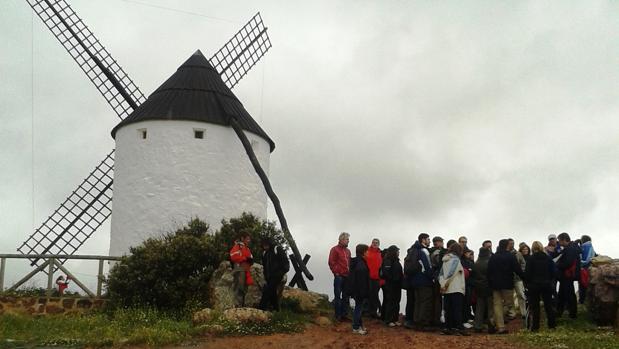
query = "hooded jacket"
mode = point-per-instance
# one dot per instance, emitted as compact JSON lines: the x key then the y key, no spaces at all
{"x":423,"y":278}
{"x":501,"y":269}
{"x":452,"y":274}
{"x":359,"y":279}
{"x":480,"y":273}
{"x":587,"y":254}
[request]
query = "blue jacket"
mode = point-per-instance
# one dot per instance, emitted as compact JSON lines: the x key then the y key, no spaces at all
{"x":425,"y":277}
{"x":587,"y":254}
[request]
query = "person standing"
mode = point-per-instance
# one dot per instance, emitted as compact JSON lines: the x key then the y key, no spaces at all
{"x":358,"y":286}
{"x":451,"y":280}
{"x":568,"y":267}
{"x":339,"y":263}
{"x":538,"y":279}
{"x":468,"y":262}
{"x":392,"y":289}
{"x":484,"y":308}
{"x":275,"y":265}
{"x":242,"y":259}
{"x":463,"y":241}
{"x":553,"y":249}
{"x":422,"y":280}
{"x":501,"y":269}
{"x":518,"y":283}
{"x":374,"y":261}
{"x":585,"y":262}
{"x":437,"y":252}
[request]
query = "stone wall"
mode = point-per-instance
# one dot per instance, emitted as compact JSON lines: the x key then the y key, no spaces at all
{"x":48,"y":305}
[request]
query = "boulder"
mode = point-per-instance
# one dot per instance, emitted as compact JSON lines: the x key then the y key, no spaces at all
{"x":244,"y":315}
{"x":603,"y":291}
{"x":221,"y":287}
{"x":309,"y":302}
{"x":203,"y":316}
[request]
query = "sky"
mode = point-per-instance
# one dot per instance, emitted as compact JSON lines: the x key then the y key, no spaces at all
{"x":484,"y":119}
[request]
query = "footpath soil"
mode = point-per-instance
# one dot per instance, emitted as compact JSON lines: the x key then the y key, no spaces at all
{"x":378,"y":337}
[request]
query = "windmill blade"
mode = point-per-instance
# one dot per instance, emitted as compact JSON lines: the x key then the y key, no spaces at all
{"x":103,"y":71}
{"x":78,"y":217}
{"x":242,"y":52}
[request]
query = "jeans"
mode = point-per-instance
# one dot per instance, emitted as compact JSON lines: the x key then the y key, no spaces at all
{"x":567,"y":297}
{"x":356,"y":315}
{"x":340,"y":300}
{"x":453,"y":310}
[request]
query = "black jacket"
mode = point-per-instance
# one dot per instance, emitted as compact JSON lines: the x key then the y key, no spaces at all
{"x":539,"y":271}
{"x":275,"y":264}
{"x":480,"y":276}
{"x":501,"y":269}
{"x":569,"y":264}
{"x":358,"y":281}
{"x":392,"y":273}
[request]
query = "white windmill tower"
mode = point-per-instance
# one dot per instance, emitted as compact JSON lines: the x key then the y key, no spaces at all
{"x":177,"y":158}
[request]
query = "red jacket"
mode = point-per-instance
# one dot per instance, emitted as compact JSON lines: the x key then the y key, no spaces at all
{"x":339,"y":260}
{"x":374,"y":260}
{"x":240,"y":254}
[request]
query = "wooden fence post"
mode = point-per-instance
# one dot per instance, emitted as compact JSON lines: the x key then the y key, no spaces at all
{"x":50,"y":276}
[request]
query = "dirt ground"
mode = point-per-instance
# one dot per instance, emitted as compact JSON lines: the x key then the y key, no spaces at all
{"x":378,"y":337}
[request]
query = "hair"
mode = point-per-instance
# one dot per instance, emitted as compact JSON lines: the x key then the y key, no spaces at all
{"x":537,"y":247}
{"x":564,"y":237}
{"x":243,"y":235}
{"x":585,"y":238}
{"x":521,"y":247}
{"x":451,"y":242}
{"x":483,"y":252}
{"x":266,"y":241}
{"x":343,"y":235}
{"x":422,"y":236}
{"x":486,"y":242}
{"x":361,"y":249}
{"x":455,"y":249}
{"x":392,"y":253}
{"x":502,"y":245}
{"x":377,"y":239}
{"x":462,"y":237}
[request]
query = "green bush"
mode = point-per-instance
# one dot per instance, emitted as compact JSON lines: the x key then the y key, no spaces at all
{"x":172,"y":273}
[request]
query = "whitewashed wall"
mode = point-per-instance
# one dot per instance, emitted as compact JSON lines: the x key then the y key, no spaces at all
{"x":161,"y":182}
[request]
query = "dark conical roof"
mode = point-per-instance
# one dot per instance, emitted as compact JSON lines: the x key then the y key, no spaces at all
{"x":195,"y":92}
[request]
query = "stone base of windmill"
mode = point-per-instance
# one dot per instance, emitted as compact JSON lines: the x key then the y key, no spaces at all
{"x":221,"y":288}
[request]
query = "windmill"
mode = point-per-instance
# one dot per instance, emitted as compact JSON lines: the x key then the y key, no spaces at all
{"x":88,"y":206}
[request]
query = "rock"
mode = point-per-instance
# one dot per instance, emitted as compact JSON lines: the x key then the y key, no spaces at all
{"x":203,"y":316}
{"x":221,"y":288}
{"x":323,"y":321}
{"x":308,"y":301}
{"x":603,"y":291}
{"x":247,"y":315}
{"x":212,"y":329}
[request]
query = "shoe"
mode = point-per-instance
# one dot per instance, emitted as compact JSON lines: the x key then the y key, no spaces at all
{"x":408,"y":325}
{"x":398,"y":323}
{"x":447,"y":332}
{"x":462,"y":333}
{"x":491,"y":330}
{"x":467,"y":325}
{"x":391,"y":324}
{"x":471,"y":321}
{"x":360,"y":331}
{"x":502,"y":331}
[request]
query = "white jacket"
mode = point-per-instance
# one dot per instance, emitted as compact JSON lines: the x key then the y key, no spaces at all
{"x":452,"y":274}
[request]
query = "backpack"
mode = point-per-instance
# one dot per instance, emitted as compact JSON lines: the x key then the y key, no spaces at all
{"x":411,"y":262}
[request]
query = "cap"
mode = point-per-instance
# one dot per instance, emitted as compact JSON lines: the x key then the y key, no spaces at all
{"x":437,"y":238}
{"x":552,"y":236}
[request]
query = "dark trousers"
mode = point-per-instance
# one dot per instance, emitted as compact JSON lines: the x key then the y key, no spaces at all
{"x":392,"y":294}
{"x":582,"y":293}
{"x":410,"y":306}
{"x":537,"y":293}
{"x":269,"y":295}
{"x":357,"y":312}
{"x":374,"y":301}
{"x":422,"y":314}
{"x":567,"y":298}
{"x":437,"y":304}
{"x":453,"y":310}
{"x":340,"y":299}
{"x":467,"y":307}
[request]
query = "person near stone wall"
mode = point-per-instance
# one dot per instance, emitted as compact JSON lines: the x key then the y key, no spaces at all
{"x":275,"y":265}
{"x":339,"y":263}
{"x":242,"y":259}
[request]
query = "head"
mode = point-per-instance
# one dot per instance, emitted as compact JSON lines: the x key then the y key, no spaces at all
{"x":451,"y":242}
{"x":393,"y":252}
{"x":484,"y":252}
{"x":564,"y":239}
{"x":462,"y":240}
{"x":537,"y":247}
{"x":375,"y":243}
{"x":60,"y":278}
{"x":524,"y":249}
{"x":455,"y":249}
{"x":244,"y":238}
{"x":424,"y":239}
{"x":468,"y":254}
{"x":361,"y":250}
{"x":437,"y":242}
{"x":552,"y":240}
{"x":344,"y":239}
{"x":487,"y":245}
{"x":503,"y":244}
{"x":585,"y":238}
{"x":510,"y":244}
{"x":266,"y":243}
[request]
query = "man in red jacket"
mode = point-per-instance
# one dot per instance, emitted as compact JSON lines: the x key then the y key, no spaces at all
{"x":339,"y":263}
{"x":374,"y":260}
{"x":242,"y":259}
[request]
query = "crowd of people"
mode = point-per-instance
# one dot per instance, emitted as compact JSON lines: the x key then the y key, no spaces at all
{"x":448,"y":290}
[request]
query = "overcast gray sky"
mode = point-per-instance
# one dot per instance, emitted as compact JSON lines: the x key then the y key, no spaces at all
{"x":390,"y":118}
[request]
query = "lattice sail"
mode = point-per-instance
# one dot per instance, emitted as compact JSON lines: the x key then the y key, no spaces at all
{"x":242,"y":52}
{"x":103,"y":70}
{"x":78,"y":217}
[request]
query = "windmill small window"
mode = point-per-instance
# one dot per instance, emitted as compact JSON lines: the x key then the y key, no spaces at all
{"x":142,"y":133}
{"x":198,"y":133}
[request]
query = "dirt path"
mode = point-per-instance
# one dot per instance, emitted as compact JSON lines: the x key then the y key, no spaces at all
{"x":379,"y":337}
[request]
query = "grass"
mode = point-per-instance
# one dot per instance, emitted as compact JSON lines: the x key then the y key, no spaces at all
{"x":579,"y":333}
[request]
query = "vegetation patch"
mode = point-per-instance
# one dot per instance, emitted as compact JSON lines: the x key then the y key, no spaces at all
{"x":578,"y":333}
{"x":284,"y":321}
